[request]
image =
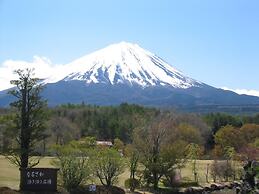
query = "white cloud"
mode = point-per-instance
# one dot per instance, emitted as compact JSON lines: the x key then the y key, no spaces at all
{"x":42,"y":65}
{"x":243,"y":91}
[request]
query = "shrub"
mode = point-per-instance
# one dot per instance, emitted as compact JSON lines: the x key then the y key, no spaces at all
{"x":184,"y":184}
{"x":107,"y":165}
{"x":132,"y":184}
{"x":73,"y":165}
{"x":222,"y":170}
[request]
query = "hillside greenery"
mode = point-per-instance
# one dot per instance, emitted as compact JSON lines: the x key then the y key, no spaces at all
{"x":71,"y":122}
{"x":153,"y":144}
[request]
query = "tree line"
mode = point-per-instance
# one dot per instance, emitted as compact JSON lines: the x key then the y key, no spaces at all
{"x":71,"y":122}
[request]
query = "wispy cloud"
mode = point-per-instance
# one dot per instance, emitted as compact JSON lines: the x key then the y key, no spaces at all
{"x":243,"y":91}
{"x":42,"y":65}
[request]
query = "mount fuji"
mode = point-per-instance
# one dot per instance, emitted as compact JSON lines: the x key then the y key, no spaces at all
{"x":124,"y":63}
{"x":125,"y":72}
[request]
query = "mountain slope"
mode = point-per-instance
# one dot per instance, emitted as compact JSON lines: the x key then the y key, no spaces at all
{"x":125,"y":72}
{"x":125,"y":63}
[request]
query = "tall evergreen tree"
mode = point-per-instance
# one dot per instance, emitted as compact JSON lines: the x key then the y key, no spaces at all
{"x":29,"y":119}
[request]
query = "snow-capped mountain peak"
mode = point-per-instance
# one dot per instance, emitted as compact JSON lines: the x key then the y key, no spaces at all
{"x":126,"y":63}
{"x":126,"y":72}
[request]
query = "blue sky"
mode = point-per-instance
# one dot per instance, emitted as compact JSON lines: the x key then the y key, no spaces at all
{"x":214,"y":41}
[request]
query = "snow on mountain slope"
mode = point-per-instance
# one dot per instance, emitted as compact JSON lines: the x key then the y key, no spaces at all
{"x":124,"y":63}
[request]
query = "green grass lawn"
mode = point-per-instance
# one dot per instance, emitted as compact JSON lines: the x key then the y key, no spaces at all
{"x":9,"y":173}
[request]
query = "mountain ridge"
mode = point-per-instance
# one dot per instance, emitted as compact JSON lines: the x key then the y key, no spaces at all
{"x":125,"y":72}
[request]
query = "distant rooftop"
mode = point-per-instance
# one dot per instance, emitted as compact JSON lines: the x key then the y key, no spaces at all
{"x":104,"y":143}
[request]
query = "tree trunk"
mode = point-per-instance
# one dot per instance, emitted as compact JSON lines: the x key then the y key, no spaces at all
{"x":108,"y":181}
{"x":155,"y":181}
{"x":44,"y":146}
{"x":207,"y":174}
{"x":227,"y":173}
{"x":24,"y":147}
{"x":21,"y":180}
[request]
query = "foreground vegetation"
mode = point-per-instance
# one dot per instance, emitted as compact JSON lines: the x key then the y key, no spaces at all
{"x":153,"y":138}
{"x":10,"y":173}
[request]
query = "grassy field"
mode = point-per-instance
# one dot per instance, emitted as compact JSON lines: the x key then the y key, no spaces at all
{"x":9,"y":174}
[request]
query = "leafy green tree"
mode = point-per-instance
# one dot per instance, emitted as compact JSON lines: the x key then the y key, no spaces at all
{"x":249,"y":132}
{"x":62,"y":130}
{"x":159,"y":153}
{"x":251,"y":119}
{"x":229,"y":136}
{"x":132,"y":184}
{"x":73,"y":163}
{"x":194,"y":151}
{"x":173,"y":157}
{"x":133,"y":156}
{"x":256,"y":143}
{"x":107,"y":165}
{"x":30,"y":117}
{"x":230,"y":154}
{"x":237,"y":137}
{"x":149,"y":142}
{"x":118,"y":145}
{"x":7,"y":134}
{"x":217,"y":121}
{"x":183,"y":131}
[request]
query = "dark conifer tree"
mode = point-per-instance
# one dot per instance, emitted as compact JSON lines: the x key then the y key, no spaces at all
{"x":29,"y":119}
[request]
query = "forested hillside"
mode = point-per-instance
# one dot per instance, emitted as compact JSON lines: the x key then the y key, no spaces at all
{"x":72,"y":122}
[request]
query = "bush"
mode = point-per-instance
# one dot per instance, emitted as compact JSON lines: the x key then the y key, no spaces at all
{"x":73,"y":165}
{"x":222,"y":170}
{"x":132,"y":184}
{"x":169,"y":179}
{"x":72,"y":171}
{"x":175,"y":184}
{"x":107,"y":165}
{"x":186,"y":184}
